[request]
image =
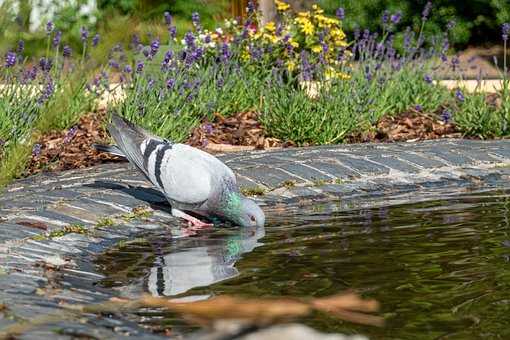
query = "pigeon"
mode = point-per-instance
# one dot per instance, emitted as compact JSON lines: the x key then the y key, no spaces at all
{"x":191,"y":180}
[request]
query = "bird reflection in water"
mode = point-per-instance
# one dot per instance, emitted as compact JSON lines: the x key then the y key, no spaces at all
{"x":200,"y":261}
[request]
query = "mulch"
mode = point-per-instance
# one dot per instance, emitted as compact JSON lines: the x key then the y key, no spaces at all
{"x":72,"y":149}
{"x":408,"y":127}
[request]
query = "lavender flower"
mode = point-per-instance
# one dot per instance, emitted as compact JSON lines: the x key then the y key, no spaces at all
{"x":368,"y":74}
{"x":195,"y":19}
{"x":21,"y":47}
{"x":395,"y":18}
{"x":446,"y":115}
{"x":114,"y":64}
{"x":418,"y":107}
{"x":250,"y":8}
{"x":168,"y":56}
{"x":95,"y":40}
{"x":154,"y":47}
{"x":49,"y":27}
{"x":70,"y":134}
{"x":426,"y":11}
{"x":428,"y":79}
{"x":57,"y":38}
{"x":67,"y":51}
{"x":459,"y":95}
{"x":47,"y":92}
{"x":84,"y":34}
{"x":170,"y":83}
{"x":189,"y":39}
{"x":505,"y":31}
{"x":139,"y":67}
{"x":385,"y":17}
{"x":45,"y":64}
{"x":128,"y":69}
{"x":173,"y":32}
{"x":36,"y":150}
{"x":168,"y":18}
{"x":10,"y":59}
{"x":225,"y":53}
{"x":150,"y":83}
{"x":208,"y":128}
{"x":340,"y":13}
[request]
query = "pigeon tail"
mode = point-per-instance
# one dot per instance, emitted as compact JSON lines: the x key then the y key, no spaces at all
{"x":129,"y":138}
{"x":111,"y":149}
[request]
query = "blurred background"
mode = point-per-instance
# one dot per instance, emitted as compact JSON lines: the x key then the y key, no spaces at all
{"x":477,"y":21}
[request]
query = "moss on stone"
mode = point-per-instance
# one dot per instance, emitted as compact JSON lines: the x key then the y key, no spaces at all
{"x":253,"y":191}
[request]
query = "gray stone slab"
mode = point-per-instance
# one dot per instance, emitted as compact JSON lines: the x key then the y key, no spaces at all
{"x":392,"y":162}
{"x":270,"y":177}
{"x":334,"y":170}
{"x":422,"y":160}
{"x":305,"y":172}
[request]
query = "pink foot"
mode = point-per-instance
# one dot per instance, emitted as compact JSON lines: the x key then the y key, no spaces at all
{"x":193,"y":222}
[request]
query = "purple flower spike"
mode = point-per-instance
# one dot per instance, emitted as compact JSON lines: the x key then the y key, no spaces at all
{"x":84,"y":34}
{"x":45,"y":64}
{"x":10,"y":59}
{"x":49,"y":27}
{"x":340,"y":13}
{"x":251,"y":7}
{"x":395,"y":18}
{"x":57,"y":38}
{"x":170,"y":83}
{"x":139,"y":67}
{"x":385,"y":17}
{"x":95,"y":40}
{"x":67,"y":51}
{"x":128,"y":69}
{"x":21,"y":47}
{"x":428,"y":79}
{"x":154,"y":47}
{"x":168,"y":18}
{"x":70,"y":134}
{"x":426,"y":11}
{"x":418,"y":107}
{"x":114,"y":64}
{"x":459,"y":95}
{"x":173,"y":31}
{"x":505,"y":31}
{"x":36,"y":150}
{"x":446,"y":115}
{"x":195,"y":19}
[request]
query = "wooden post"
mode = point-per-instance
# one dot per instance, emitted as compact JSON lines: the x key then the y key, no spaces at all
{"x":239,"y":8}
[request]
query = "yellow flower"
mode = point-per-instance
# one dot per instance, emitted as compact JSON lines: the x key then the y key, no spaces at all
{"x":317,"y":49}
{"x":293,"y":43}
{"x":271,"y":38}
{"x":332,"y":73}
{"x":317,"y":9}
{"x":270,"y":26}
{"x":306,"y":25}
{"x":291,"y":65}
{"x":304,"y":14}
{"x":281,"y":6}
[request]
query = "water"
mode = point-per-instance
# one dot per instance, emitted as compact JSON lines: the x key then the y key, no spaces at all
{"x":440,"y":269}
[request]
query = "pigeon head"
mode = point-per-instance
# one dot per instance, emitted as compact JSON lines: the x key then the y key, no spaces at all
{"x":244,"y":212}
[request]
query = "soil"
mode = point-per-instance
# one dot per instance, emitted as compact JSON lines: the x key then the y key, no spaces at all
{"x":72,"y":149}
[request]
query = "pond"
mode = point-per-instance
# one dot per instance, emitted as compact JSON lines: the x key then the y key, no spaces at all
{"x":439,"y":268}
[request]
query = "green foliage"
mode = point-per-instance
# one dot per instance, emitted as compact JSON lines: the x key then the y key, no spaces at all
{"x":476,"y":23}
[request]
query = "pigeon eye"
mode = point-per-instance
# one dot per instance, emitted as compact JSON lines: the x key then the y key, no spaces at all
{"x":252,"y":218}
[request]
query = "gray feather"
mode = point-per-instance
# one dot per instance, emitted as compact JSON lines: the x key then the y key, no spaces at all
{"x":111,"y":149}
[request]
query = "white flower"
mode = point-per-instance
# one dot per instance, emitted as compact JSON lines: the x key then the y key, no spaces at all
{"x":219,"y":31}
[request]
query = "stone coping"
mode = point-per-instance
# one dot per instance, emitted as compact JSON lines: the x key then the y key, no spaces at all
{"x":65,"y":219}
